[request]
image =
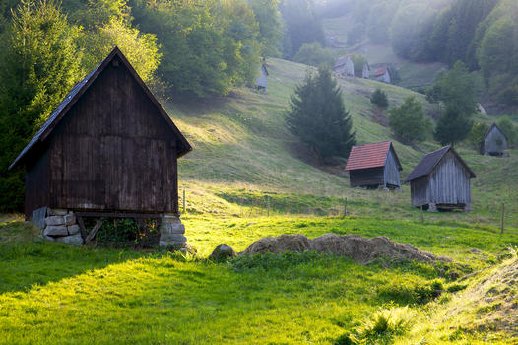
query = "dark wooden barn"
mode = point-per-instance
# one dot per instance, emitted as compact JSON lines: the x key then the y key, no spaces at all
{"x":442,"y":180}
{"x":108,"y":149}
{"x":374,"y":165}
{"x":495,"y":141}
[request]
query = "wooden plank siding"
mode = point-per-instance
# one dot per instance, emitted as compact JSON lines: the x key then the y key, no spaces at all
{"x":111,"y":151}
{"x":367,"y":177}
{"x":391,"y":173}
{"x":449,"y":183}
{"x":495,"y":142}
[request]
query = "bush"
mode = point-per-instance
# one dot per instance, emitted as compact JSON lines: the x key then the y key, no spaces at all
{"x":314,"y":54}
{"x":408,"y":122}
{"x":379,"y":98}
{"x":509,"y":128}
{"x":477,"y":135}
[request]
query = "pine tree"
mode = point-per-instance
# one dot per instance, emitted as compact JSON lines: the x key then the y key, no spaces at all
{"x":452,"y":127}
{"x":379,"y":98}
{"x":38,"y":66}
{"x":318,"y":116}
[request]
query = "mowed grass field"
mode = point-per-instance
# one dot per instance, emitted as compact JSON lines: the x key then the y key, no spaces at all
{"x":245,"y":181}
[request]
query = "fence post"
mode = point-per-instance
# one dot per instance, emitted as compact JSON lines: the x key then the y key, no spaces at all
{"x":183,"y":200}
{"x":502,"y":219}
{"x":345,"y":208}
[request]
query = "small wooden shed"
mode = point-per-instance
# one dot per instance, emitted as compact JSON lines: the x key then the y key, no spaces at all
{"x":442,"y":180}
{"x":495,"y":141}
{"x":374,"y":165}
{"x":109,"y":149}
{"x":344,"y":66}
{"x":262,"y":80}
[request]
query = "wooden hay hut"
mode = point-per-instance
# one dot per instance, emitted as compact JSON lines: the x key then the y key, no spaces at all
{"x":344,"y":66}
{"x":262,"y":80}
{"x":374,"y":165}
{"x":108,"y":150}
{"x":442,"y":180}
{"x":495,"y":141}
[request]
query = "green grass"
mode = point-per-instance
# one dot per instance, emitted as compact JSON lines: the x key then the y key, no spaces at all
{"x":243,"y":182}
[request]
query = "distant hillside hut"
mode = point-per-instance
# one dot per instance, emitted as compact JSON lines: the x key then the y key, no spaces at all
{"x":344,"y":66}
{"x":374,"y":165}
{"x":495,"y":141}
{"x":366,"y":71}
{"x":442,"y":180}
{"x":262,"y":80}
{"x":382,"y":73}
{"x":108,"y":150}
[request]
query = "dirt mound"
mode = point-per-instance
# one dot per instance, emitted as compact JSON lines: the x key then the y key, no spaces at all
{"x":360,"y":249}
{"x":284,"y":243}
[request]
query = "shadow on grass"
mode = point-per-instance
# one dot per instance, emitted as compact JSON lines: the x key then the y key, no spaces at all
{"x":26,"y":261}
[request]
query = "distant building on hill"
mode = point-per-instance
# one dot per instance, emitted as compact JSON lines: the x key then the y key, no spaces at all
{"x":344,"y":66}
{"x":374,"y":165}
{"x":382,"y":73}
{"x":495,"y":141}
{"x":366,"y":71}
{"x":109,"y":150}
{"x":442,"y":180}
{"x":262,"y":80}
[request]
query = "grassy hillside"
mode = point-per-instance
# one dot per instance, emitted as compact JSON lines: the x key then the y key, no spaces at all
{"x":413,"y":74}
{"x":243,"y":181}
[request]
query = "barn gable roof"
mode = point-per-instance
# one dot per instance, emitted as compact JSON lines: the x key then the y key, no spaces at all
{"x":498,"y":128}
{"x":370,"y":156}
{"x":79,"y":89}
{"x":431,"y":160}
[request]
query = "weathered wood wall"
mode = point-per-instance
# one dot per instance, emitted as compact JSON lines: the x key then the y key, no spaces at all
{"x":495,"y":142}
{"x":37,"y":182}
{"x":111,"y":152}
{"x":367,"y":177}
{"x":448,"y":184}
{"x":391,"y":173}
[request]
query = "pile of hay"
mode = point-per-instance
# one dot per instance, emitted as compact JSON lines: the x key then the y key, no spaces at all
{"x":362,"y":250}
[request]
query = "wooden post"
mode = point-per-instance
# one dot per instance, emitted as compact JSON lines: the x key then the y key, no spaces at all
{"x":183,"y":200}
{"x":422,"y":214}
{"x":345,"y":208}
{"x":502,"y":219}
{"x":268,"y":204}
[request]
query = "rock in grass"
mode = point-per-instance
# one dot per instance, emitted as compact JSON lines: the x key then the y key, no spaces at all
{"x":222,"y":253}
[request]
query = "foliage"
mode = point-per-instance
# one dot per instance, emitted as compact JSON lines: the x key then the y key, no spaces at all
{"x":39,"y":64}
{"x":302,"y":25}
{"x":270,"y":23}
{"x":359,"y":61}
{"x":379,"y":98}
{"x":141,"y":50}
{"x":452,"y":127}
{"x":314,"y":54}
{"x":125,"y":232}
{"x":408,"y":122}
{"x":509,"y":128}
{"x":477,"y":135}
{"x":318,"y":116}
{"x":208,"y":48}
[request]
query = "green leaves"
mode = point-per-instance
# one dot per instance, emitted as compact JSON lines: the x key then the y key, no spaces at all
{"x":408,"y":122}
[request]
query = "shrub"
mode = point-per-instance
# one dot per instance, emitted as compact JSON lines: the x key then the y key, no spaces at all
{"x":408,"y":122}
{"x":379,"y":98}
{"x":477,"y":135}
{"x":315,"y":55}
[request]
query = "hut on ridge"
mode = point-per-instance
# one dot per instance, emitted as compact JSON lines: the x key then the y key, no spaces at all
{"x":495,"y":141}
{"x":108,"y":150}
{"x":344,"y":66}
{"x":441,"y":181}
{"x":262,"y":80}
{"x":374,"y":165}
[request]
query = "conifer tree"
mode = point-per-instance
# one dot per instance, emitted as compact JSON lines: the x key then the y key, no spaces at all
{"x":318,"y":116}
{"x":39,"y":64}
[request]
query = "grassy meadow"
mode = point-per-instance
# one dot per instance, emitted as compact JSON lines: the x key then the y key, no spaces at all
{"x":246,"y":180}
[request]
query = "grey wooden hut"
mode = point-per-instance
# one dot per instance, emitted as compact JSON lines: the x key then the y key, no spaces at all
{"x":108,"y":150}
{"x":495,"y":141}
{"x":262,"y":80}
{"x":442,"y":180}
{"x":374,"y":165}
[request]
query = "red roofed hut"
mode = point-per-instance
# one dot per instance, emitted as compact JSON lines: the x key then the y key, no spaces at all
{"x":442,"y":180}
{"x":374,"y":165}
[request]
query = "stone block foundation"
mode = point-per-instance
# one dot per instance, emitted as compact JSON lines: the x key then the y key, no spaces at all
{"x":58,"y":225}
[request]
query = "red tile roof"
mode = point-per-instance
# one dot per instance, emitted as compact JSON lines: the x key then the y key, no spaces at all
{"x":368,"y":156}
